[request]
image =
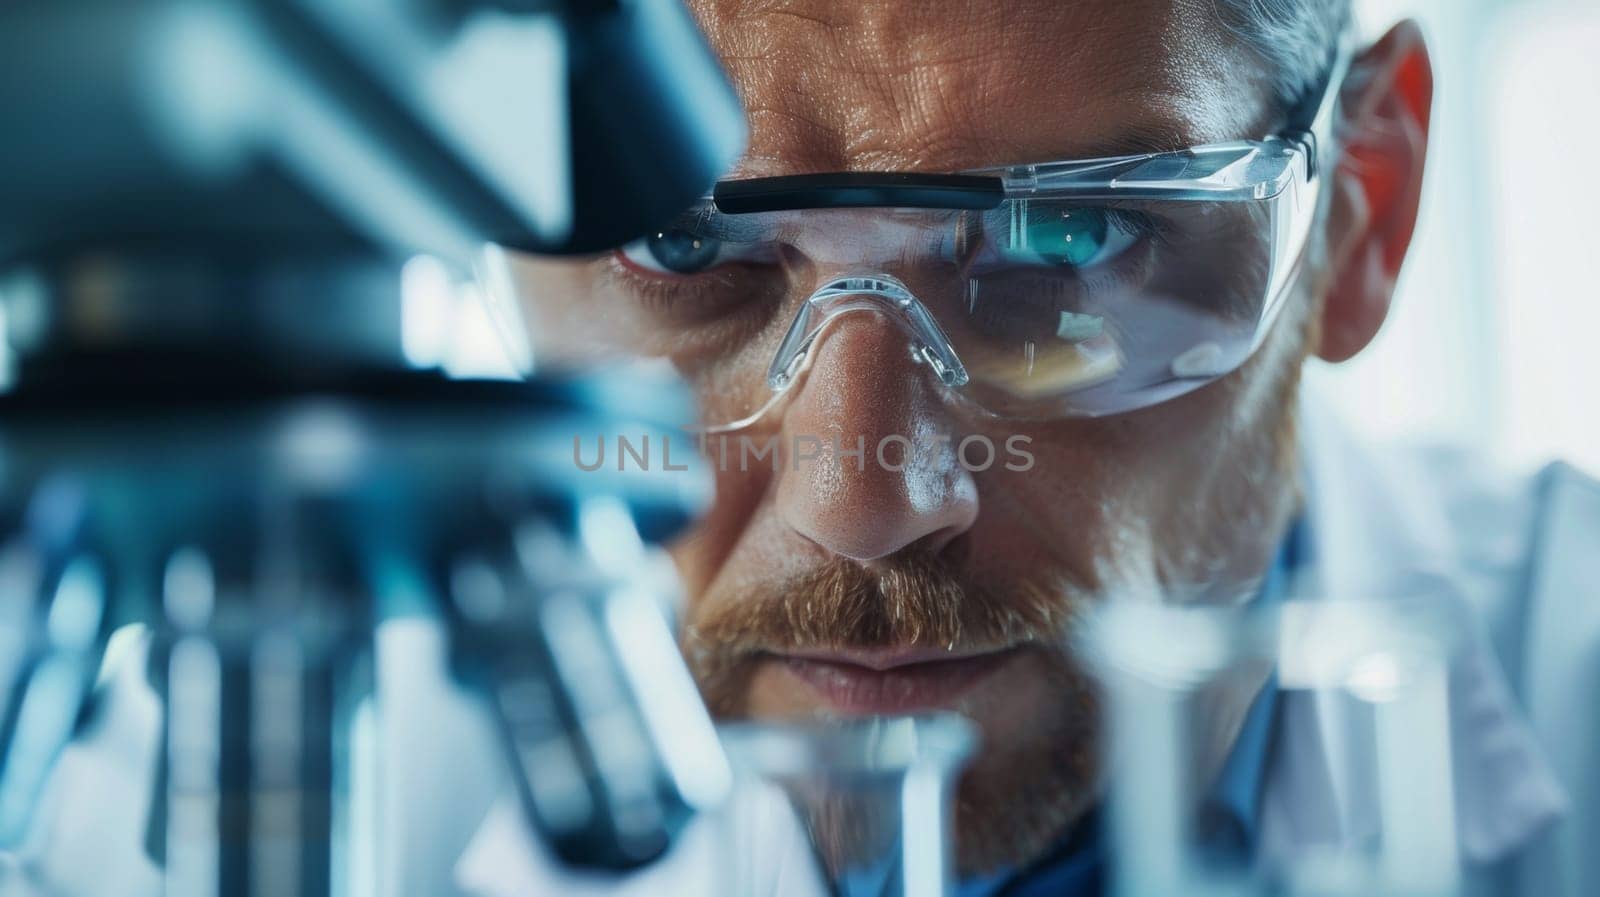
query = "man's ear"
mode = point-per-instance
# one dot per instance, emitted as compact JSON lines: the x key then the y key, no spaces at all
{"x":1376,"y":187}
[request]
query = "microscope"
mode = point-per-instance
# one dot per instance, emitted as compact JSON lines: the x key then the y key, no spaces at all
{"x":217,"y":427}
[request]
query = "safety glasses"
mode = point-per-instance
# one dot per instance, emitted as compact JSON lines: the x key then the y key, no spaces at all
{"x":1065,"y":289}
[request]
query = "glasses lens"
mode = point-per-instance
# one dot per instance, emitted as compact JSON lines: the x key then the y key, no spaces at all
{"x":1043,"y":307}
{"x":1069,"y":309}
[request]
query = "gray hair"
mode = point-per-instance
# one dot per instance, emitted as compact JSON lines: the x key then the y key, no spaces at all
{"x":1293,"y":37}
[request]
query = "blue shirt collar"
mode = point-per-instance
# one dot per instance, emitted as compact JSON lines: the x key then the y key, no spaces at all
{"x":1236,"y":796}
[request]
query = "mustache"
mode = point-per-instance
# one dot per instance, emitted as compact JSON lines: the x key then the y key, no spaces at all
{"x":918,"y":600}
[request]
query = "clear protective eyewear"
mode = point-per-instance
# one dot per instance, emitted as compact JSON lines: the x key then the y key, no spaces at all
{"x":1065,"y":289}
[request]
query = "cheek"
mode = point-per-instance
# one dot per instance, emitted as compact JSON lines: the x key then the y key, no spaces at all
{"x":701,"y":551}
{"x":1231,"y":475}
{"x":1191,"y":491}
{"x":741,"y":520}
{"x":1235,"y":424}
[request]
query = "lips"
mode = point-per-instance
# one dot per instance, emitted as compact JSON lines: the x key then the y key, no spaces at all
{"x":892,"y":681}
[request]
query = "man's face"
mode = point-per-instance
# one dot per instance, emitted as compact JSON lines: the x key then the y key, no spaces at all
{"x":831,"y":588}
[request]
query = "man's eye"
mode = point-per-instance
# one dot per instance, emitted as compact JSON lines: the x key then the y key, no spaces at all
{"x":1066,"y":238}
{"x":674,"y":252}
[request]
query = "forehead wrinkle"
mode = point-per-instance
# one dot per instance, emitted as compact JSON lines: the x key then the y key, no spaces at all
{"x":872,"y":86}
{"x":778,"y":60}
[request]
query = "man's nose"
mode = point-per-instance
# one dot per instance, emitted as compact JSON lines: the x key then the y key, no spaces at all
{"x":888,"y":475}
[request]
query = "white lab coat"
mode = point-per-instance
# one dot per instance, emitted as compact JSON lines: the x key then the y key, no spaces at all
{"x":1523,"y":555}
{"x":1524,"y":702}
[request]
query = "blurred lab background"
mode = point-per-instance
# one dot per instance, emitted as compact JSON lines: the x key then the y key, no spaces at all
{"x":1491,"y":343}
{"x":1489,"y":346}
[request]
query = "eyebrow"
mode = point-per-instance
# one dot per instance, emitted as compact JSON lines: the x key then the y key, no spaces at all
{"x":1140,"y":137}
{"x":1144,"y":135}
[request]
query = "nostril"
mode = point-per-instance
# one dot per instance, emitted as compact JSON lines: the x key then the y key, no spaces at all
{"x":877,"y":541}
{"x":949,"y":542}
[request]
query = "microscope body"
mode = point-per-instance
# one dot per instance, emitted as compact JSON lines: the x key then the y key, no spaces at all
{"x":214,"y":431}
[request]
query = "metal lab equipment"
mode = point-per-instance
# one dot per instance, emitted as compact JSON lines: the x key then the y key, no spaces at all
{"x":211,"y":427}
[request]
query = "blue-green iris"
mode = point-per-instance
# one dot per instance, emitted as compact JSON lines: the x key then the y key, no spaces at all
{"x":1066,"y":237}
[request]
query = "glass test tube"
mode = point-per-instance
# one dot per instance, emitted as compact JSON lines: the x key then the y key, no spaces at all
{"x":859,"y":808}
{"x":1373,"y":673}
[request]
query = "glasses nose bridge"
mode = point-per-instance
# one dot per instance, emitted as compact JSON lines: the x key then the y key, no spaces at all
{"x":867,"y":291}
